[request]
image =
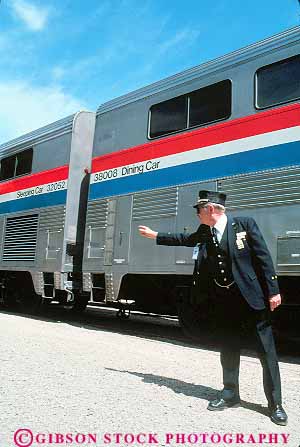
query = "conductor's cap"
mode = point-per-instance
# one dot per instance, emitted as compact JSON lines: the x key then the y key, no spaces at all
{"x":210,"y":197}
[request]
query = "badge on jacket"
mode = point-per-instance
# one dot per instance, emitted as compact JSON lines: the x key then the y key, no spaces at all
{"x":195,"y":253}
{"x":240,"y":238}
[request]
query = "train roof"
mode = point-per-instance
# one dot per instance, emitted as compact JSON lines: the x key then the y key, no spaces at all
{"x":288,"y":37}
{"x":37,"y":136}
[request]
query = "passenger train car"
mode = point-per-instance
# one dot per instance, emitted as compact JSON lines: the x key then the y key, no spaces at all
{"x":230,"y":125}
{"x":44,"y":182}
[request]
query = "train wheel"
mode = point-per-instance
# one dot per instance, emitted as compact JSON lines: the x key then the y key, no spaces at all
{"x":31,"y":302}
{"x":11,"y":299}
{"x":22,"y":301}
{"x":19,"y":294}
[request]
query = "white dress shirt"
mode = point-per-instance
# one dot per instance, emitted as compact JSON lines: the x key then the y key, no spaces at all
{"x":220,"y":226}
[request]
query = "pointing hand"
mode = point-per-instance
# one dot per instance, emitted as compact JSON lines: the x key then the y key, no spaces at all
{"x":147,"y":232}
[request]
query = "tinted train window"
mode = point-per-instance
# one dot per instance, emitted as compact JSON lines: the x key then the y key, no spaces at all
{"x":211,"y":103}
{"x":15,"y":165}
{"x":278,"y":83}
{"x":206,"y":105}
{"x":24,"y":162}
{"x":8,"y":167}
{"x":169,"y":116}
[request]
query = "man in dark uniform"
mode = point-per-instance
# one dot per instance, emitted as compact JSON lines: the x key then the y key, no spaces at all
{"x":233,"y":263}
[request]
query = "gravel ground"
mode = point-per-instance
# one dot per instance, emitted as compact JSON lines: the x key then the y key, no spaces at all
{"x":65,"y":377}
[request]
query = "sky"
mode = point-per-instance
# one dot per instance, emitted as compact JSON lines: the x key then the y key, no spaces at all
{"x":61,"y":56}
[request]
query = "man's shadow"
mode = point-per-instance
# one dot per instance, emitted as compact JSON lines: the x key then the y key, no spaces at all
{"x":188,"y":389}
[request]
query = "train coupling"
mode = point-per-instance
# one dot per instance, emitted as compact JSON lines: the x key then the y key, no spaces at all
{"x":70,"y":293}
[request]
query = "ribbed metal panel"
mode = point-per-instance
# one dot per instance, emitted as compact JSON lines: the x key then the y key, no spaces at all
{"x":277,"y":187}
{"x":43,"y":133}
{"x":155,"y":204}
{"x":20,"y":238}
{"x":1,"y":227}
{"x":288,"y":37}
{"x":97,"y":212}
{"x":52,"y":217}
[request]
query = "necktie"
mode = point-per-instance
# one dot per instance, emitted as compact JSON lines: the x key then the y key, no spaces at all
{"x":215,"y":235}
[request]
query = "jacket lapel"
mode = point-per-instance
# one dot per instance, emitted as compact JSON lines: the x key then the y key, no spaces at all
{"x":231,"y":234}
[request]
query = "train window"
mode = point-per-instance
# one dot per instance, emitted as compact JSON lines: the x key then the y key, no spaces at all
{"x":212,"y":103}
{"x":206,"y":105}
{"x":8,"y":167}
{"x":168,"y":116}
{"x":278,"y":83}
{"x":15,"y":165}
{"x":24,"y":162}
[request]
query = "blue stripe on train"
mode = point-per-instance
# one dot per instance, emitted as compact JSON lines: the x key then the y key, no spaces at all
{"x":39,"y":201}
{"x":244,"y":162}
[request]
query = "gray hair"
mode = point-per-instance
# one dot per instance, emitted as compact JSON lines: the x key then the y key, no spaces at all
{"x":217,"y":206}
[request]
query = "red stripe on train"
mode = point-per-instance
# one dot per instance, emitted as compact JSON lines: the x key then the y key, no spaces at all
{"x":260,"y":123}
{"x":31,"y":180}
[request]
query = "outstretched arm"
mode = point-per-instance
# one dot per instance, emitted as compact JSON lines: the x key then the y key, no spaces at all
{"x":202,"y":235}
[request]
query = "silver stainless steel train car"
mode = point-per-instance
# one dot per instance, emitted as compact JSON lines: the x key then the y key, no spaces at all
{"x":230,"y":125}
{"x":72,"y":194}
{"x":44,"y":181}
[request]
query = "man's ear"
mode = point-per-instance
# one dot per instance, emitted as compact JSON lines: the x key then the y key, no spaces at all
{"x":211,"y":208}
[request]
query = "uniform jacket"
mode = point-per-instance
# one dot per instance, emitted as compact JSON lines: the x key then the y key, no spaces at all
{"x":252,"y":266}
